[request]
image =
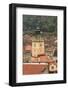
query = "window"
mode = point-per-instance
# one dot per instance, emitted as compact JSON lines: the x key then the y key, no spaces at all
{"x":34,"y":45}
{"x":40,"y":44}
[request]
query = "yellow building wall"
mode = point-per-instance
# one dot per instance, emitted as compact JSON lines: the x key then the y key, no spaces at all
{"x":37,"y":48}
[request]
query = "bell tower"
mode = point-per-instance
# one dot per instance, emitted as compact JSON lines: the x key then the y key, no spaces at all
{"x":37,"y":44}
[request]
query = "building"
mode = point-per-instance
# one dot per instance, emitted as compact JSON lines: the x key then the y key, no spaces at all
{"x":28,"y":48}
{"x":37,"y":45}
{"x":43,"y":58}
{"x":27,"y":57}
{"x":39,"y":49}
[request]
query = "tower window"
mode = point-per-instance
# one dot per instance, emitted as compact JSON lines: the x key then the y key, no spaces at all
{"x":40,"y":44}
{"x":34,"y":45}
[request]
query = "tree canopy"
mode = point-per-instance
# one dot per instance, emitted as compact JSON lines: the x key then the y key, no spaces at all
{"x":43,"y":23}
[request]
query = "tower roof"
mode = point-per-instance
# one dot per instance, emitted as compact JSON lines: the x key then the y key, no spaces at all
{"x":37,"y":36}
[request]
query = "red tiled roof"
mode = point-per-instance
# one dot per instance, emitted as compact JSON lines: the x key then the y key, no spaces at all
{"x":28,"y":47}
{"x":33,"y":68}
{"x":41,"y":55}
